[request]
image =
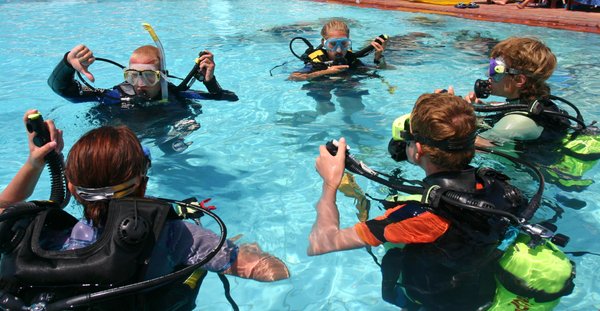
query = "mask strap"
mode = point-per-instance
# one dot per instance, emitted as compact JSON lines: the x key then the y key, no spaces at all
{"x":107,"y":193}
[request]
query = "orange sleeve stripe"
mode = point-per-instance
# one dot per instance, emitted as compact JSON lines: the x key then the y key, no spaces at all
{"x":424,"y":228}
{"x":365,"y":234}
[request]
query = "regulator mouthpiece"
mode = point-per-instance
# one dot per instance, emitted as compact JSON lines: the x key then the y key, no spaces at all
{"x":482,"y":88}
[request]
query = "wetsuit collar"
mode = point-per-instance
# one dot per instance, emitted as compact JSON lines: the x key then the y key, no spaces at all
{"x":464,"y":180}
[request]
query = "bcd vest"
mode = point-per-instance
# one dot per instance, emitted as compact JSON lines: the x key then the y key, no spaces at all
{"x":119,"y":257}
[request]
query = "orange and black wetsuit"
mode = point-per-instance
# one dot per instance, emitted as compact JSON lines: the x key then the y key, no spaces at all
{"x":449,"y":256}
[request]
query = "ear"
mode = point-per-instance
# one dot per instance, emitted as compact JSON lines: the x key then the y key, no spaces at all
{"x":71,"y":188}
{"x":419,"y":152}
{"x":520,"y":80}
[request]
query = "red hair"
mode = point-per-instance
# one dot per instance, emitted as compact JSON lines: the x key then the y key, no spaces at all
{"x":104,"y":157}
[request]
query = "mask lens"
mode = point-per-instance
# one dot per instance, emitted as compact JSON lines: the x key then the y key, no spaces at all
{"x":131,"y":76}
{"x":343,"y":44}
{"x":149,"y":77}
{"x":497,"y":69}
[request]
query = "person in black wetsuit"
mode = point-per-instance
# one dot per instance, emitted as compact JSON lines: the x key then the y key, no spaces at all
{"x":139,"y":96}
{"x":332,"y":69}
{"x":448,"y":257}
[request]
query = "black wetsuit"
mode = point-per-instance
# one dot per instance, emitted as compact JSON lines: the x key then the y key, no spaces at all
{"x":166,"y":123}
{"x":62,"y":81}
{"x":456,"y":271}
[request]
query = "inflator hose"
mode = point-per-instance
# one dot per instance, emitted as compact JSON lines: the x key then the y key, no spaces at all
{"x":59,"y":193}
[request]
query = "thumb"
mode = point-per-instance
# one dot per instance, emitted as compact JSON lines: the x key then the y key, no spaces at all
{"x":88,"y":74}
{"x":341,"y":148}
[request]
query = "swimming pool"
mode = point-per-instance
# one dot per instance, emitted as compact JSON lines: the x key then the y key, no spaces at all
{"x":255,"y":157}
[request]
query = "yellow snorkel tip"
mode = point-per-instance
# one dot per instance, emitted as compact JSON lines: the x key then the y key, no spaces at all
{"x":164,"y":87}
{"x":150,"y":30}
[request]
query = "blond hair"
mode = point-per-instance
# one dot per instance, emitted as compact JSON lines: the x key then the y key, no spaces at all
{"x":335,"y":24}
{"x":533,"y":58}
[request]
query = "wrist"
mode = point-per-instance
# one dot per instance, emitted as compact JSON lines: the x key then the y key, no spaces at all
{"x":35,"y":164}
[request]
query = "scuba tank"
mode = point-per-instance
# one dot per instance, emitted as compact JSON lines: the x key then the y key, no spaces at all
{"x":532,"y":276}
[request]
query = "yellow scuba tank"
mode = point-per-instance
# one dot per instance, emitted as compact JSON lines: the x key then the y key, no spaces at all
{"x":532,"y":278}
{"x":579,"y":156}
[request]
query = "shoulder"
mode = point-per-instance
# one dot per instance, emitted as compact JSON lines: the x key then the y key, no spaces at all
{"x":410,"y":222}
{"x":517,"y":126}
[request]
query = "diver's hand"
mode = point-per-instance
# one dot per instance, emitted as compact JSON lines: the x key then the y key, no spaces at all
{"x":331,"y":168}
{"x":379,"y":45}
{"x":472,"y":98}
{"x":37,"y":154}
{"x":80,"y":58}
{"x":253,"y":263}
{"x":449,"y":90}
{"x":207,"y":65}
{"x":336,"y":69}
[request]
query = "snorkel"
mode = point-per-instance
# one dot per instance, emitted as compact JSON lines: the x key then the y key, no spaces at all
{"x":163,"y":62}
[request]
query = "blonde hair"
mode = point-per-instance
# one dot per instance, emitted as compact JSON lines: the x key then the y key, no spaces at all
{"x":335,"y":24}
{"x":444,"y":117}
{"x":533,"y":58}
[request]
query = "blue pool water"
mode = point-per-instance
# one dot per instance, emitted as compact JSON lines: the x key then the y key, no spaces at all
{"x":255,"y":157}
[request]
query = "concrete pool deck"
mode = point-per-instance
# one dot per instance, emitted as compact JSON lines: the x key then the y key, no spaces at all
{"x":558,"y":18}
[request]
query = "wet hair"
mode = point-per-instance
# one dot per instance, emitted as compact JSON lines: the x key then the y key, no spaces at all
{"x":146,"y":54}
{"x":103,"y":157}
{"x":442,"y":117}
{"x":532,"y":57}
{"x":335,"y":24}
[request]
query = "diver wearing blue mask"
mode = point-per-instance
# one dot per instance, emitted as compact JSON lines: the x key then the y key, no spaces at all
{"x":335,"y":56}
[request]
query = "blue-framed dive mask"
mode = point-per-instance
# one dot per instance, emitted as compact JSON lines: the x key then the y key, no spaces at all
{"x":337,"y":44}
{"x":498,"y":69}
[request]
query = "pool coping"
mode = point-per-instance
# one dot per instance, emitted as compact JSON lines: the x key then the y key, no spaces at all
{"x":557,"y":18}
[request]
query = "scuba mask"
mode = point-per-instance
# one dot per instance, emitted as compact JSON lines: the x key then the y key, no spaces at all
{"x":498,"y":69}
{"x":401,"y":136}
{"x":149,"y":77}
{"x":335,"y":44}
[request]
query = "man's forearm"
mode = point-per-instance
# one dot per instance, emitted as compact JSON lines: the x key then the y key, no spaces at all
{"x":327,"y":223}
{"x":21,"y":186}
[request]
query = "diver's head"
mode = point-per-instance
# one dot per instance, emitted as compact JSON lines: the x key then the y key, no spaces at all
{"x":336,"y":40}
{"x":441,"y":127}
{"x":519,"y":68}
{"x":105,"y":163}
{"x":144,"y":71}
